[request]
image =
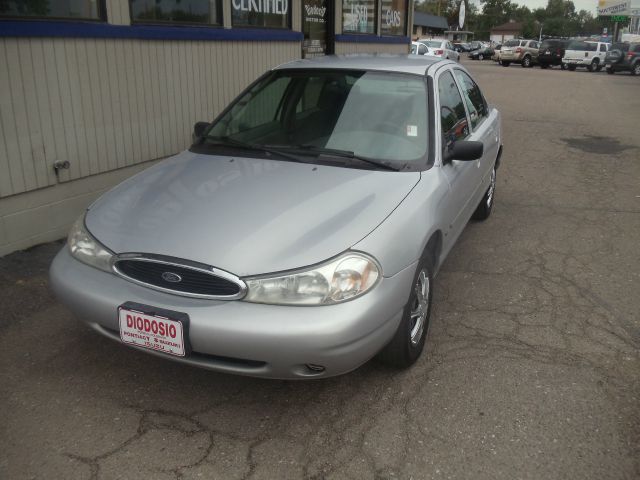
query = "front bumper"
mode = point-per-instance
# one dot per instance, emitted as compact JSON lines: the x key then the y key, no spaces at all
{"x":246,"y":338}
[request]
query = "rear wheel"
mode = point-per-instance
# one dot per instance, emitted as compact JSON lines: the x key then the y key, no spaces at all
{"x":480,"y":57}
{"x":563,"y":66}
{"x":408,"y":342}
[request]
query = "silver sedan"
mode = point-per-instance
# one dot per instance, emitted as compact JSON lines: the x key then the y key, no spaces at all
{"x":299,"y":235}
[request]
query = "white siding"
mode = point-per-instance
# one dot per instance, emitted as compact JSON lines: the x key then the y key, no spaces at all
{"x":104,"y":104}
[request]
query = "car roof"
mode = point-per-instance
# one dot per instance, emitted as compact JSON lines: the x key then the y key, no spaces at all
{"x":415,"y":64}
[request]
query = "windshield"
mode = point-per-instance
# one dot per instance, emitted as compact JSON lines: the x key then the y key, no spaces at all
{"x":374,"y":115}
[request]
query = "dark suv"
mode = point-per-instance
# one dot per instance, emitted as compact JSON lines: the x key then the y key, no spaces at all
{"x":623,"y":57}
{"x":551,"y":52}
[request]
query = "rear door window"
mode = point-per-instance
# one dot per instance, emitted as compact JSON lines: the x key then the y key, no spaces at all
{"x":476,"y":104}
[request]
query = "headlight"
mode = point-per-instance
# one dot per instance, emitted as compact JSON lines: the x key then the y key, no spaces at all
{"x":87,"y":249}
{"x":338,"y":280}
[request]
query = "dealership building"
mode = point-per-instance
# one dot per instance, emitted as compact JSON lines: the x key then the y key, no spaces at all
{"x":93,"y":91}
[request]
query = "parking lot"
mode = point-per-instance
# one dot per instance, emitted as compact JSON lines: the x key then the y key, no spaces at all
{"x":532,"y":368}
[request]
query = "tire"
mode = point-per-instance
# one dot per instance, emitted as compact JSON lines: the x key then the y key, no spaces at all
{"x":564,"y":66}
{"x":526,"y":61}
{"x":544,"y":66}
{"x":611,"y":71}
{"x":486,"y":204}
{"x":572,"y":68}
{"x":635,"y":69}
{"x":408,"y":342}
{"x":593,"y":66}
{"x":504,"y":63}
{"x":480,"y":57}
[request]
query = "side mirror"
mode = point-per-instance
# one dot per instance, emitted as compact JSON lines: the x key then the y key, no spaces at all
{"x":198,"y":130}
{"x":465,"y":150}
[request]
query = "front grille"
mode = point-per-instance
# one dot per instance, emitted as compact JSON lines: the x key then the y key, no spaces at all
{"x":190,"y":281}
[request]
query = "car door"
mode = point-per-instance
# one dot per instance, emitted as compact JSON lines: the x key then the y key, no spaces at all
{"x":462,"y":176}
{"x":484,"y":128}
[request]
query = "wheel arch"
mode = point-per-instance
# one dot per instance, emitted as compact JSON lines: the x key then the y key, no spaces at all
{"x":433,"y":249}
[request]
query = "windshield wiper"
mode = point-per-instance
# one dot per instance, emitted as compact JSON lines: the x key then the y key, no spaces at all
{"x":250,"y":146}
{"x":309,"y":149}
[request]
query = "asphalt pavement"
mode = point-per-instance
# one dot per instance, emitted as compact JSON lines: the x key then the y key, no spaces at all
{"x":532,"y":367}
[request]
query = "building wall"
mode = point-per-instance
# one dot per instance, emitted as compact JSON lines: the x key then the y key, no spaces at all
{"x":502,"y":37}
{"x":113,"y":106}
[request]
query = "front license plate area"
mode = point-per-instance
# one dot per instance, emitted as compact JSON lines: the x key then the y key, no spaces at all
{"x":154,"y":328}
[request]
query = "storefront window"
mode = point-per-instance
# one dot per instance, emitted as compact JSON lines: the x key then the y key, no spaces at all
{"x":394,"y":17}
{"x":315,"y":19}
{"x":261,"y":13}
{"x":178,"y":11}
{"x":359,"y":16}
{"x":87,"y":9}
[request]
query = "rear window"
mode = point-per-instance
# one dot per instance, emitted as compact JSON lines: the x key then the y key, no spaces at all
{"x":583,"y":46}
{"x":512,"y":43}
{"x":550,"y":44}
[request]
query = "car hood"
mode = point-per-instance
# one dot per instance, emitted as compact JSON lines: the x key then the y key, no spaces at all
{"x":247,"y":216}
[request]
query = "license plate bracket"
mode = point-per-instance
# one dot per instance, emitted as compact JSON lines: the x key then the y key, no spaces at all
{"x":154,"y":328}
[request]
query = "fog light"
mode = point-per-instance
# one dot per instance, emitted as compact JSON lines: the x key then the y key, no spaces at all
{"x":315,"y":368}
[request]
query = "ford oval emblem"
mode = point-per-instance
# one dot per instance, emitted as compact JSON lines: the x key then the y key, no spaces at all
{"x":171,"y":277}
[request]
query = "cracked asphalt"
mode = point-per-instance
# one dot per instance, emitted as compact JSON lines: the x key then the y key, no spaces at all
{"x":532,"y":367}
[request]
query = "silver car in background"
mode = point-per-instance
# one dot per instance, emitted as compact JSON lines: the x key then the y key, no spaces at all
{"x":436,"y":48}
{"x":300,"y":234}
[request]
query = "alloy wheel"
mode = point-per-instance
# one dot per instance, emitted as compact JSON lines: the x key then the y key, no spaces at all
{"x":420,"y":307}
{"x":492,"y":187}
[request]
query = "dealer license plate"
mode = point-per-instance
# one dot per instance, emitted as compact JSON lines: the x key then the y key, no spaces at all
{"x":154,"y":332}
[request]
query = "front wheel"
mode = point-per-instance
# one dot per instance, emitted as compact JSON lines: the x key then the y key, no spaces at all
{"x":408,"y":342}
{"x":635,"y":69}
{"x":486,"y":204}
{"x":564,"y":66}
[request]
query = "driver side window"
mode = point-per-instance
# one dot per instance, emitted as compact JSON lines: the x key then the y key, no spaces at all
{"x":453,"y":118}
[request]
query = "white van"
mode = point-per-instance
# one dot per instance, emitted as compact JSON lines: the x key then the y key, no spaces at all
{"x":585,"y":54}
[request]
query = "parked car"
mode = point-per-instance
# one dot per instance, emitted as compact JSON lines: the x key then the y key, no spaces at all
{"x":461,"y":47}
{"x":419,"y":48}
{"x":589,"y":55}
{"x":481,"y":53}
{"x":300,"y":234}
{"x":441,"y":48}
{"x":623,"y":57}
{"x":476,"y":44}
{"x":496,"y":53}
{"x":524,"y":52}
{"x":551,"y":52}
